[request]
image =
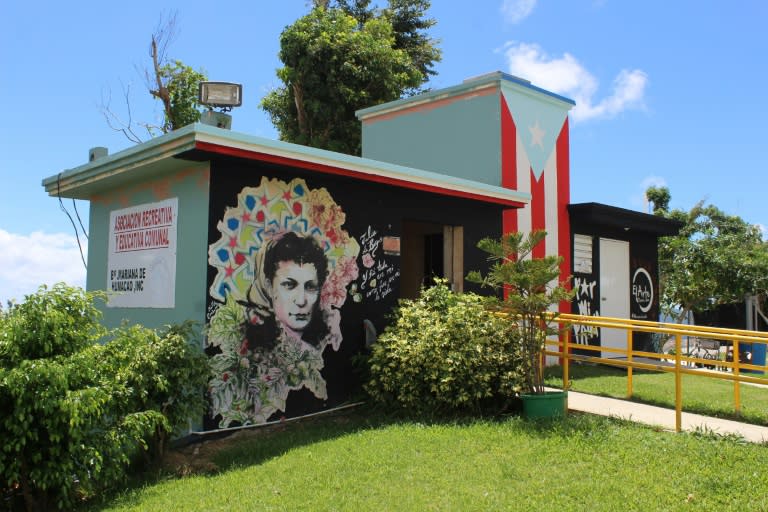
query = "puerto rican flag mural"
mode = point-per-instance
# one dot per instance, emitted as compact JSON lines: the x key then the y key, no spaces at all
{"x":535,"y":159}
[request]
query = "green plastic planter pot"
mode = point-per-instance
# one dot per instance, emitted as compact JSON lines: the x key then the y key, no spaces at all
{"x":550,"y":404}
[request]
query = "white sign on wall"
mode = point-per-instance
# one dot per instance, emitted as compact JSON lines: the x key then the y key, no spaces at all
{"x":141,"y":262}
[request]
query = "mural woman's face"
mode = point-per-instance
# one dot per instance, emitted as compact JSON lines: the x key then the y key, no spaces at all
{"x":295,"y":291}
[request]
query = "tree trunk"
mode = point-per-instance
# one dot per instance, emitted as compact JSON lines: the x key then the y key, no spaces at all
{"x":32,"y":504}
{"x":162,"y":92}
{"x":301,"y":114}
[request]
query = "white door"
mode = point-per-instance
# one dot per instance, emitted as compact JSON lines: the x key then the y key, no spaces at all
{"x":614,"y":291}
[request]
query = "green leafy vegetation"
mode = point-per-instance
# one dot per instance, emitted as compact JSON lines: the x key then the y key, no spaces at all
{"x":77,"y":413}
{"x":532,"y":286}
{"x":341,"y":58}
{"x":177,"y":89}
{"x":446,"y":352}
{"x":716,"y":258}
{"x":364,"y":462}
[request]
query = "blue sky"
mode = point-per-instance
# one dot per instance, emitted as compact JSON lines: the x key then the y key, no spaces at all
{"x":667,"y":93}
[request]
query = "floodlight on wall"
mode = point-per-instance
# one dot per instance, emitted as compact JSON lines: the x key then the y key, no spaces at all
{"x":221,"y":95}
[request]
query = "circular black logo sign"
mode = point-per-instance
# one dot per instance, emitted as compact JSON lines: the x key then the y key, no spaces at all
{"x":642,"y":289}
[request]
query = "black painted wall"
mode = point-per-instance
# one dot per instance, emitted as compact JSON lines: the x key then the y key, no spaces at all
{"x":643,"y":286}
{"x":372,"y":211}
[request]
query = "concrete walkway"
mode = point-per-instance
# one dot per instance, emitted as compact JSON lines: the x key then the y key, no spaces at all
{"x":661,"y":417}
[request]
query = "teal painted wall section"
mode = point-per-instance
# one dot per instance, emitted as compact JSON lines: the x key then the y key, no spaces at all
{"x":459,"y":137}
{"x":191,"y":186}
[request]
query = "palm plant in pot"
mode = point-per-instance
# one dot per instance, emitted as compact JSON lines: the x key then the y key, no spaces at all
{"x":531,"y":287}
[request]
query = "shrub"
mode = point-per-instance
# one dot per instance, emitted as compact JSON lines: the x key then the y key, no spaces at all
{"x":445,"y":353}
{"x":532,"y":286}
{"x":160,"y":371}
{"x":75,"y":412}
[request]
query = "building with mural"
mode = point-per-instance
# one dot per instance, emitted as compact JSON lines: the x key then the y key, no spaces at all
{"x":291,"y":256}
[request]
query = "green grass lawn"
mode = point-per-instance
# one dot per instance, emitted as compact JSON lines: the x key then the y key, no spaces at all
{"x":702,"y":395}
{"x":362,"y":462}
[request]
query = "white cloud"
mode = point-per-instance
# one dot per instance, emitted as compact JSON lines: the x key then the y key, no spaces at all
{"x":567,"y":76}
{"x":515,"y":11}
{"x":28,"y":261}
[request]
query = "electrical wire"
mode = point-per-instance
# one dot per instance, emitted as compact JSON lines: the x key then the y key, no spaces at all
{"x":74,"y":226}
{"x":77,"y":214}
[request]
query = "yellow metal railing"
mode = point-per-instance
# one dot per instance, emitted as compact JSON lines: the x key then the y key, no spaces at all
{"x":682,"y":364}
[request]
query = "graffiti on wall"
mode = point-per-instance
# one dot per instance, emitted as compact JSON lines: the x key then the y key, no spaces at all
{"x":586,"y":304}
{"x":378,"y":275}
{"x":283,"y":267}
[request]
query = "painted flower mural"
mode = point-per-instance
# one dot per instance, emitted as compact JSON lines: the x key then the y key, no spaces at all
{"x":283,"y":267}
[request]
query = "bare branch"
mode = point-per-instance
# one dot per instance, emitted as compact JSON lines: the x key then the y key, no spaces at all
{"x":162,"y":37}
{"x":114,"y":121}
{"x":157,"y":80}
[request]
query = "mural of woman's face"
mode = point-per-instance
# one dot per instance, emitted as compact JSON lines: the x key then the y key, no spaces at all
{"x":295,"y":291}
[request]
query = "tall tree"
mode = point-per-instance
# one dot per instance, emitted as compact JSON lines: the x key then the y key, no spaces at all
{"x":175,"y":84}
{"x":171,"y":82}
{"x":410,"y":25}
{"x":342,"y":57}
{"x":659,"y":197}
{"x":716,"y":259}
{"x":358,"y":9}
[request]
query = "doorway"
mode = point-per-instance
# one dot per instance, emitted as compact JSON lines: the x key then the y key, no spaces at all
{"x":614,"y":292}
{"x":430,"y":250}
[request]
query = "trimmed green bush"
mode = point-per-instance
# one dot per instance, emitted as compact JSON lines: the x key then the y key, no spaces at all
{"x":161,"y":371}
{"x":446,"y":353}
{"x":76,"y":413}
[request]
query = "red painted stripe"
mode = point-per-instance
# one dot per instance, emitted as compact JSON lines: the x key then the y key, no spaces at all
{"x":563,"y":198}
{"x":508,"y":163}
{"x":509,"y":221}
{"x":538,"y":214}
{"x":338,"y":171}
